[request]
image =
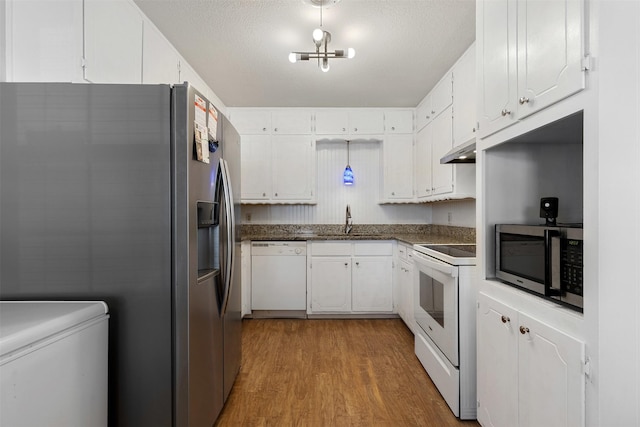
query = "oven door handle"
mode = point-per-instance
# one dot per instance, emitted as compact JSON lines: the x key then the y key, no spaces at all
{"x":440,"y":266}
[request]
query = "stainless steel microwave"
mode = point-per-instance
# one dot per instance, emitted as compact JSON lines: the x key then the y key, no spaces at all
{"x":544,"y":260}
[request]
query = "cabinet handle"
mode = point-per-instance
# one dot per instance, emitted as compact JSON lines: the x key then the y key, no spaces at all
{"x":505,"y":112}
{"x":523,"y":100}
{"x":505,"y":319}
{"x":524,"y":330}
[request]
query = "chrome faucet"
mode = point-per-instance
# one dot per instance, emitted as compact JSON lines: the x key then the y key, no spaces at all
{"x":348,"y":222}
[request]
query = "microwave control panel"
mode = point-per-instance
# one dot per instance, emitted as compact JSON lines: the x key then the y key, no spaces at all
{"x":571,"y":266}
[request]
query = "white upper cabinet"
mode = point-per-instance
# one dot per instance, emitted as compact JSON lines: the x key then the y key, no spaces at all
{"x":398,"y":121}
{"x":160,"y":61}
{"x":352,"y":122}
{"x":256,"y":167}
{"x":366,"y":122}
{"x":423,"y":161}
{"x":398,"y":167}
{"x":464,"y":97}
{"x":44,"y":42}
{"x":442,"y":175}
{"x":442,"y":95}
{"x":113,"y":42}
{"x":550,"y":52}
{"x":530,"y":55}
{"x":293,"y":159}
{"x":332,"y":122}
{"x":423,"y":113}
{"x":291,"y":122}
{"x":251,"y":122}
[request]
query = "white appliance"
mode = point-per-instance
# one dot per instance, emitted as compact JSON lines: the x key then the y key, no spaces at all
{"x":279,"y":279}
{"x":53,"y":363}
{"x":444,"y":312}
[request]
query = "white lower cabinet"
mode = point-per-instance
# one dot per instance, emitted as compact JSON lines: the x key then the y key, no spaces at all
{"x":350,"y":277}
{"x":529,"y":373}
{"x":404,"y":279}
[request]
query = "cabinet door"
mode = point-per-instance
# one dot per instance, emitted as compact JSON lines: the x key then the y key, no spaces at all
{"x":366,"y":122}
{"x":159,"y":59}
{"x":332,"y":122}
{"x":550,"y":376}
{"x":441,"y":95}
{"x":464,"y":98}
{"x":423,"y":113}
{"x":371,"y":286}
{"x":330,"y":284}
{"x":405,"y":283}
{"x":550,"y":52}
{"x":441,"y":175}
{"x":422,"y":165}
{"x":255,"y":122}
{"x":113,"y":52}
{"x":398,"y":167}
{"x":291,"y":122}
{"x":256,"y":167}
{"x":398,"y":121}
{"x":293,"y":167}
{"x":497,"y":73}
{"x":44,"y":40}
{"x":497,"y":346}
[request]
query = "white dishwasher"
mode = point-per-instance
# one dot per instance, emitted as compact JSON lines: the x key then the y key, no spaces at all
{"x":279,"y":279}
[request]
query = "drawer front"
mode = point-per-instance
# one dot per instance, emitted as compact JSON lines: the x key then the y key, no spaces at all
{"x":373,"y":248}
{"x":331,"y":248}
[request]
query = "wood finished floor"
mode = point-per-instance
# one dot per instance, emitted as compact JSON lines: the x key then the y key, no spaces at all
{"x":332,"y":373}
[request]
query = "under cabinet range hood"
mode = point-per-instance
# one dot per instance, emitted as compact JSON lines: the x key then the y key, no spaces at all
{"x":464,"y":153}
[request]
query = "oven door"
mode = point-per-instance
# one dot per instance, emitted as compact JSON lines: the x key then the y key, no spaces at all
{"x":436,"y":307}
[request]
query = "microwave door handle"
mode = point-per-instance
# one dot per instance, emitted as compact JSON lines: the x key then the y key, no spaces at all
{"x":551,"y":249}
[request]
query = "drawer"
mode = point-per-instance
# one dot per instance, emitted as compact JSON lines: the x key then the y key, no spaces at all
{"x":331,"y":248}
{"x":373,"y":248}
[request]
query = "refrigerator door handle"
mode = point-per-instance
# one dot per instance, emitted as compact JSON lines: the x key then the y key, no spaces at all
{"x":230,"y":232}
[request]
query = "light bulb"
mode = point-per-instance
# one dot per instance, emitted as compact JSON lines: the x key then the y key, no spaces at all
{"x":293,"y":57}
{"x":325,"y":65}
{"x":318,"y":34}
{"x":351,"y":52}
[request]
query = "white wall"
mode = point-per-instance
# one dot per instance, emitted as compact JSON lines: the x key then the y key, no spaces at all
{"x":461,"y":213}
{"x":618,"y":378}
{"x":333,"y":196}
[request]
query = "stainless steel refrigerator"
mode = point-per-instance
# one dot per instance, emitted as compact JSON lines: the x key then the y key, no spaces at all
{"x":124,"y":193}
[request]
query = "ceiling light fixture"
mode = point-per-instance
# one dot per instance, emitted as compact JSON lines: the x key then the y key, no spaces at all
{"x":321,"y":38}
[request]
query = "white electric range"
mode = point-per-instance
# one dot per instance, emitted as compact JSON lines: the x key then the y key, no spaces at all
{"x":445,"y":301}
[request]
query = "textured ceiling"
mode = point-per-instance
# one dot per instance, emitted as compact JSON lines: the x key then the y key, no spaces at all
{"x":240,"y":48}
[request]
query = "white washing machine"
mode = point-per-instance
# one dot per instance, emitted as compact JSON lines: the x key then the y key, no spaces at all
{"x":53,"y":363}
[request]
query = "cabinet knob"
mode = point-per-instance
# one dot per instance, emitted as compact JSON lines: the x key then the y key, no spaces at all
{"x":346,"y":264}
{"x":275,"y":129}
{"x":355,"y":129}
{"x":523,"y":100}
{"x":264,"y":194}
{"x":344,"y":129}
{"x":427,"y":117}
{"x":524,"y":330}
{"x":393,"y":128}
{"x":505,"y":112}
{"x":473,"y":130}
{"x":357,"y":263}
{"x":393,"y":193}
{"x":264,"y":129}
{"x":433,"y":112}
{"x":276,"y":194}
{"x":505,"y":319}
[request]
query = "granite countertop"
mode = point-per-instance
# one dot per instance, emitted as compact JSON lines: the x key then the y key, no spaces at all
{"x":406,"y":233}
